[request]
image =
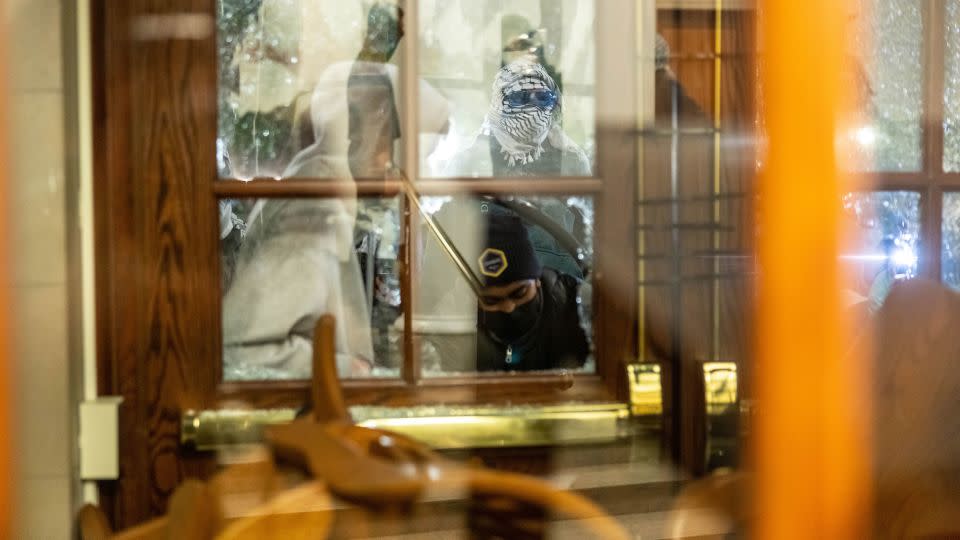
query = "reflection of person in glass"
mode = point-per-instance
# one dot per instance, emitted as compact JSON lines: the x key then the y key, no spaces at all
{"x":354,"y":103}
{"x":354,"y":114}
{"x":522,"y":40}
{"x":521,"y":134}
{"x":528,"y":317}
{"x":373,"y":128}
{"x":296,"y":262}
{"x":374,"y":124}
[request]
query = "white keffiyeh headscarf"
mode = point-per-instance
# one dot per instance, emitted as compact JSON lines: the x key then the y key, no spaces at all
{"x":521,"y":130}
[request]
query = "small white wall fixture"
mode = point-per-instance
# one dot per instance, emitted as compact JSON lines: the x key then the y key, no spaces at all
{"x":99,"y":438}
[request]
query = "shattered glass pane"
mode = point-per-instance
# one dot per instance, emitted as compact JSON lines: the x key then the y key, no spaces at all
{"x":951,"y":95}
{"x":950,"y":249}
{"x":257,"y":46}
{"x":286,"y":262}
{"x":300,"y":79}
{"x":514,"y":82}
{"x":888,"y":239}
{"x":533,"y":253}
{"x":890,"y":74}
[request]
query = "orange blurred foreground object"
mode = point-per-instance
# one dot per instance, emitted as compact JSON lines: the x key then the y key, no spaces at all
{"x":811,"y":452}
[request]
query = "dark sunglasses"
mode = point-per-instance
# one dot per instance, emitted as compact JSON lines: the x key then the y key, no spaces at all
{"x":541,"y":98}
{"x":516,"y":294}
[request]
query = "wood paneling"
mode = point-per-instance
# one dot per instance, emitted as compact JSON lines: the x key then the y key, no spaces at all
{"x":115,"y":242}
{"x":697,"y":207}
{"x":615,"y":274}
{"x":154,"y":211}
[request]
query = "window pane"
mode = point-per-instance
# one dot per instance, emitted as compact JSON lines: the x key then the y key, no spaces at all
{"x":951,"y":96}
{"x":513,"y":82}
{"x":298,"y":79}
{"x":531,"y":258}
{"x":891,"y":43}
{"x":285,"y":262}
{"x":888,"y":236}
{"x":950,"y":250}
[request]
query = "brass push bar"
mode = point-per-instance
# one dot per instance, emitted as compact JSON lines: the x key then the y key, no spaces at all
{"x":460,"y":427}
{"x":452,"y":427}
{"x":441,"y":427}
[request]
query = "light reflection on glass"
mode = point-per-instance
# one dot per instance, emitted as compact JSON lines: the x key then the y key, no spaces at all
{"x":888,"y":234}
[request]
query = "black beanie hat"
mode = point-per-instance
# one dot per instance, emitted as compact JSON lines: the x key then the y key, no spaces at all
{"x":507,"y":255}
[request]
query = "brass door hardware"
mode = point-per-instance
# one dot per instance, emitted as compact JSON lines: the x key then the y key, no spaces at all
{"x":722,"y":414}
{"x":438,"y":426}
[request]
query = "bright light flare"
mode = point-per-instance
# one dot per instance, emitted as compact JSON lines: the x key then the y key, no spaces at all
{"x":904,"y":257}
{"x":865,"y":136}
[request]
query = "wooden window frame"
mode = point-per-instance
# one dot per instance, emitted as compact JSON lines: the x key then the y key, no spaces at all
{"x":931,"y":181}
{"x":610,"y":344}
{"x":158,"y":277}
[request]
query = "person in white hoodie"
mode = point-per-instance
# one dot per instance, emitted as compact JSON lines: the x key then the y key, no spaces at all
{"x":296,"y":263}
{"x":355,"y":102}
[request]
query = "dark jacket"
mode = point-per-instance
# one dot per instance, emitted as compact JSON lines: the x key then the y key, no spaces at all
{"x":556,"y":341}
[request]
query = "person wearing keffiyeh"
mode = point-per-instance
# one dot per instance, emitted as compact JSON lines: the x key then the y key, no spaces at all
{"x":521,"y":134}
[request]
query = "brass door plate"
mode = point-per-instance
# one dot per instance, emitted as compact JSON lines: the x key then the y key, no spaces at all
{"x":646,"y":390}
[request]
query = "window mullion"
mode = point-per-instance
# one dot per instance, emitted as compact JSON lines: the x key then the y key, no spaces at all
{"x":933,"y":79}
{"x":410,"y":166}
{"x":933,"y":66}
{"x":931,"y":233}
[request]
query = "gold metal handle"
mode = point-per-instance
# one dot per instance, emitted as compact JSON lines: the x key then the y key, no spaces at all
{"x":451,"y":427}
{"x":646,"y":390}
{"x":440,"y":427}
{"x":212,"y":429}
{"x":722,"y":414}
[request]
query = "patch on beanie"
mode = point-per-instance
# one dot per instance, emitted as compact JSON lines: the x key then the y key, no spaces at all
{"x":492,"y":262}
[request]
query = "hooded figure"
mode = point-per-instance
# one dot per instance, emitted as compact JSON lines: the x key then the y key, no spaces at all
{"x":527,"y":317}
{"x":295,"y":264}
{"x":521,"y":133}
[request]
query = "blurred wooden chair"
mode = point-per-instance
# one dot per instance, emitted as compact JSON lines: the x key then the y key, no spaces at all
{"x":917,"y":412}
{"x":239,"y":503}
{"x":191,"y":516}
{"x":389,"y":472}
{"x":711,"y":508}
{"x":301,"y":513}
{"x":382,"y":472}
{"x":93,"y":524}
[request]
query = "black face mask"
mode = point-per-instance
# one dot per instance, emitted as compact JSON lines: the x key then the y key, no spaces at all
{"x":509,"y":327}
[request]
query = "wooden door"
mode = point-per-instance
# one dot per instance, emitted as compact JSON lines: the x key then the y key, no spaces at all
{"x":158,"y":277}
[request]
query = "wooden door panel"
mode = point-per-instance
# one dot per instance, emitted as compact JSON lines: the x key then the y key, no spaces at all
{"x":157,"y":125}
{"x":158,"y":280}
